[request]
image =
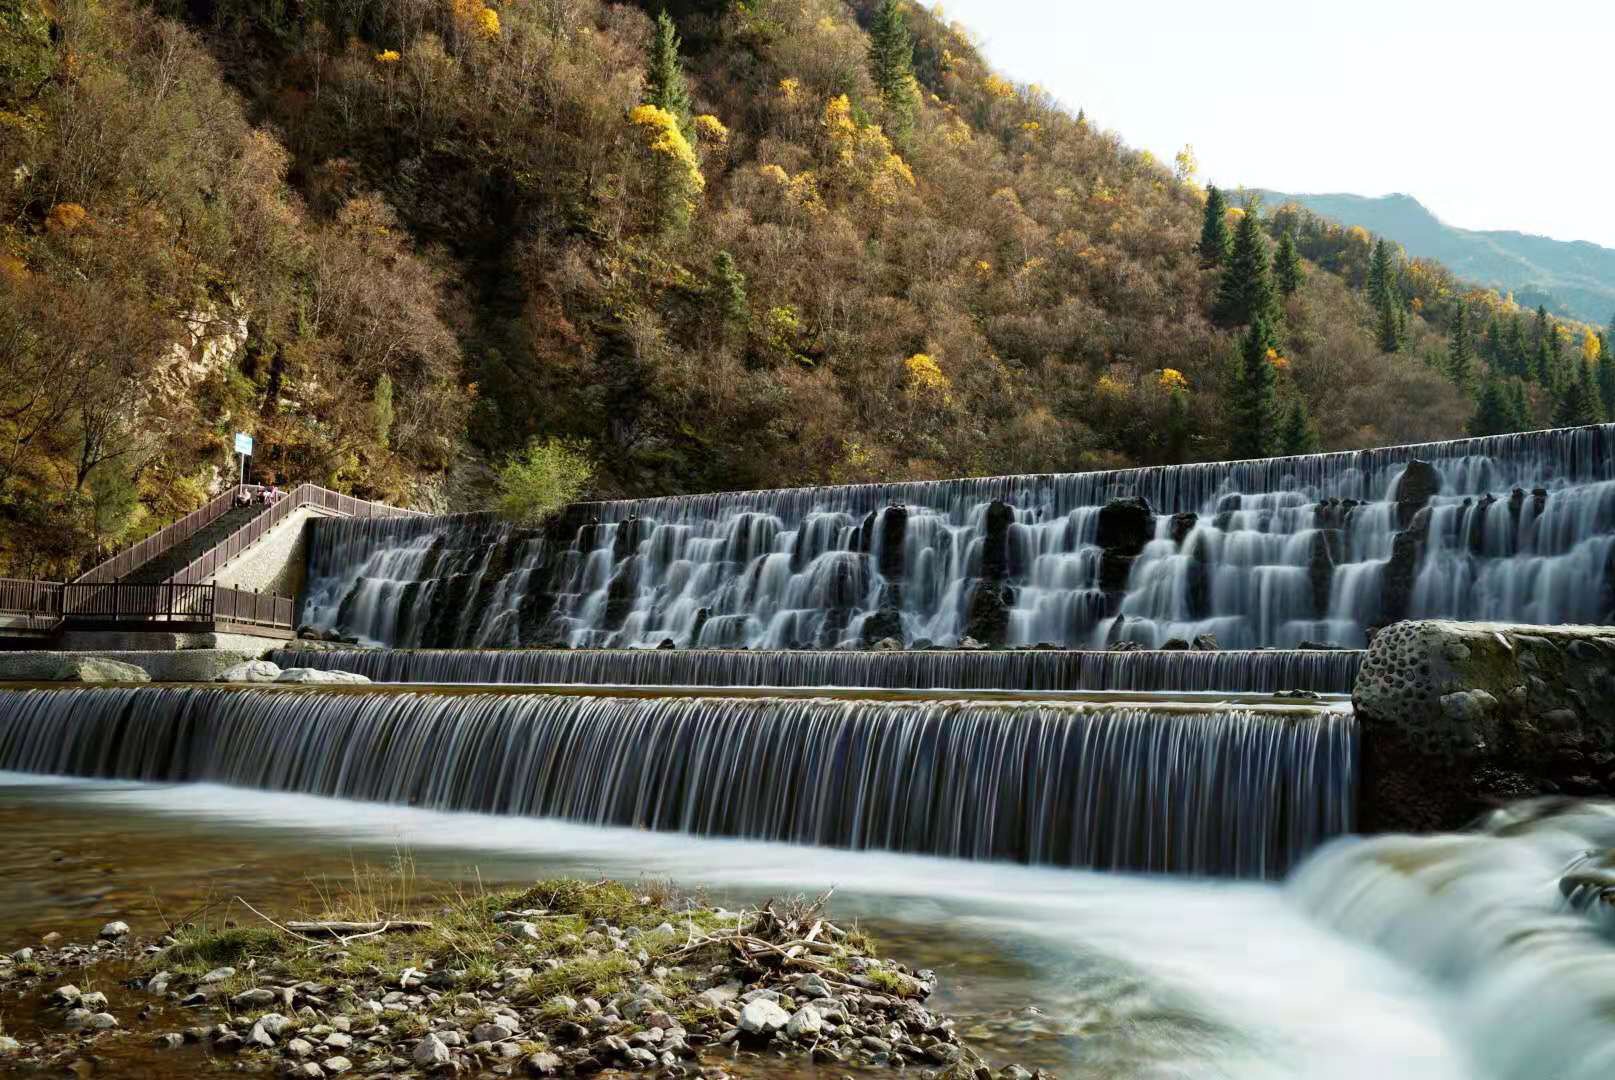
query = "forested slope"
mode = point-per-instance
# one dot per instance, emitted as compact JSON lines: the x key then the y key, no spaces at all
{"x":772,"y":242}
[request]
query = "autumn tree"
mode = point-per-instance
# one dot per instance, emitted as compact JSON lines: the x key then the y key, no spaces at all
{"x":665,"y":87}
{"x":1245,"y":295}
{"x":1253,"y":411}
{"x":1287,"y":270}
{"x":891,"y":65}
{"x":1214,"y":238}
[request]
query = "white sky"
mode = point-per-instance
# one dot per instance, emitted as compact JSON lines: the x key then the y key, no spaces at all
{"x":1493,"y":113}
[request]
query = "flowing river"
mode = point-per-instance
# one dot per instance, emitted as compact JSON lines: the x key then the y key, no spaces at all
{"x":1423,"y":958}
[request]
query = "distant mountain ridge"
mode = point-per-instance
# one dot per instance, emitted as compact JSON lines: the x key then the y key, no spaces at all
{"x":1574,"y":278}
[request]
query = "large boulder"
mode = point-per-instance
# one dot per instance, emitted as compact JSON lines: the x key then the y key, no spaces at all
{"x":995,"y":540}
{"x":1457,"y":715}
{"x":253,"y":671}
{"x":317,"y":677}
{"x":987,"y":618}
{"x":1126,"y":525}
{"x":1414,"y":489}
{"x":93,"y":669}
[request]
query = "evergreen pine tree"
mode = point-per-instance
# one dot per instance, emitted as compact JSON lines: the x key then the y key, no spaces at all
{"x":729,"y":290}
{"x":1461,"y":350}
{"x":1516,"y":357}
{"x":1494,"y":411}
{"x":1253,"y":414}
{"x":1389,"y":327}
{"x":664,"y":74}
{"x":1541,"y":366}
{"x":1297,"y":434}
{"x":1492,"y":348}
{"x":891,"y":64}
{"x":1245,"y":294}
{"x":1287,"y":269}
{"x":1214,"y":238}
{"x":1381,"y":275}
{"x":1520,"y":418}
{"x":1606,"y":375}
{"x":1579,"y":403}
{"x":1560,"y":375}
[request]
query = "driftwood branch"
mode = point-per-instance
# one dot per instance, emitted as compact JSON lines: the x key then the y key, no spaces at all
{"x":334,"y":928}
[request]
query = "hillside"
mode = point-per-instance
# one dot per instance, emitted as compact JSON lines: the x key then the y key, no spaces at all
{"x":1573,"y":278}
{"x":811,"y":241}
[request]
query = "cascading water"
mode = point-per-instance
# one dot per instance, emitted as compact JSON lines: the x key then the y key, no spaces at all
{"x":1229,"y":671}
{"x":1197,"y":789}
{"x":1257,"y":553}
{"x":1512,"y":918}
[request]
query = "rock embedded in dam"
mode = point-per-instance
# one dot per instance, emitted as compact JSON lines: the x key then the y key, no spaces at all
{"x":1325,"y":547}
{"x":1458,"y":715}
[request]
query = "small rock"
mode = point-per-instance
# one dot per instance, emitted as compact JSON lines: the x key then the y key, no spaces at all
{"x":299,"y":1048}
{"x":309,"y":1071}
{"x":337,"y":1065}
{"x":315,"y":675}
{"x":218,"y":975}
{"x":543,"y":1063}
{"x":256,"y":998}
{"x":804,"y":1023}
{"x":101,"y":1022}
{"x":66,"y":994}
{"x":23,"y":956}
{"x":171,"y":1041}
{"x":94,"y":1000}
{"x":431,"y":1051}
{"x":762,"y":1017}
{"x":491,"y":1033}
{"x":339,"y":1040}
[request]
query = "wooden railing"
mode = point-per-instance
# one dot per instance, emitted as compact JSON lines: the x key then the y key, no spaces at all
{"x":33,"y":605}
{"x":160,"y":541}
{"x":43,"y":605}
{"x":302,"y":495}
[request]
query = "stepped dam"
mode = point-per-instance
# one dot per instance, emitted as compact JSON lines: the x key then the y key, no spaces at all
{"x":1321,"y":549}
{"x":1233,"y":790}
{"x":1231,"y":671}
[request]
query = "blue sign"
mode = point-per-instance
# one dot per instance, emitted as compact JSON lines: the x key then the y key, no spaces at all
{"x":243,"y":444}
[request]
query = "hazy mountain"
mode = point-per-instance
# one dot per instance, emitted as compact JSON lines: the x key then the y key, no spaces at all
{"x":1573,"y":278}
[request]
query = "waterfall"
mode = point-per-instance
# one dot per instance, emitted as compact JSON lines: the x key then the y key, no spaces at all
{"x":1187,"y":788}
{"x":1228,"y":671}
{"x":1259,"y":554}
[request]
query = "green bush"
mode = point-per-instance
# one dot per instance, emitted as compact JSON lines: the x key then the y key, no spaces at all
{"x":541,"y":479}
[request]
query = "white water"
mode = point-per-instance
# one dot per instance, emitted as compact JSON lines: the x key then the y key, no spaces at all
{"x":1281,"y":551}
{"x":1157,"y":977}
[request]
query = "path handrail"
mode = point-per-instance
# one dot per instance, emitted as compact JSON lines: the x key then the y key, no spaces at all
{"x":129,"y":558}
{"x":303,"y":495}
{"x":38,"y":602}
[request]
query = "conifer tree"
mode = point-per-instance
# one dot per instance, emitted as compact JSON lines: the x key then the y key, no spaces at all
{"x":665,"y":87}
{"x":1541,"y":366}
{"x":1381,"y":276}
{"x":1389,"y":327}
{"x":1287,"y":269}
{"x":1606,"y":374}
{"x":1492,"y":346}
{"x":891,"y":64}
{"x":1214,"y":238}
{"x":1494,"y":411}
{"x":1253,"y":414}
{"x":1520,"y":418}
{"x":1559,"y":374}
{"x":1245,"y":294}
{"x":1579,"y":403}
{"x":1297,"y":433}
{"x":1461,"y":350}
{"x":729,"y":290}
{"x":1516,"y":357}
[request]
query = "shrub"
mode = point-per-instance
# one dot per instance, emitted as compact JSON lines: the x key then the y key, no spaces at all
{"x":541,"y":479}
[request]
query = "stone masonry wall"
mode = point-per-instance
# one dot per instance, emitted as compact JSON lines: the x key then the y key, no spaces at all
{"x":278,"y":562}
{"x":1457,"y":717}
